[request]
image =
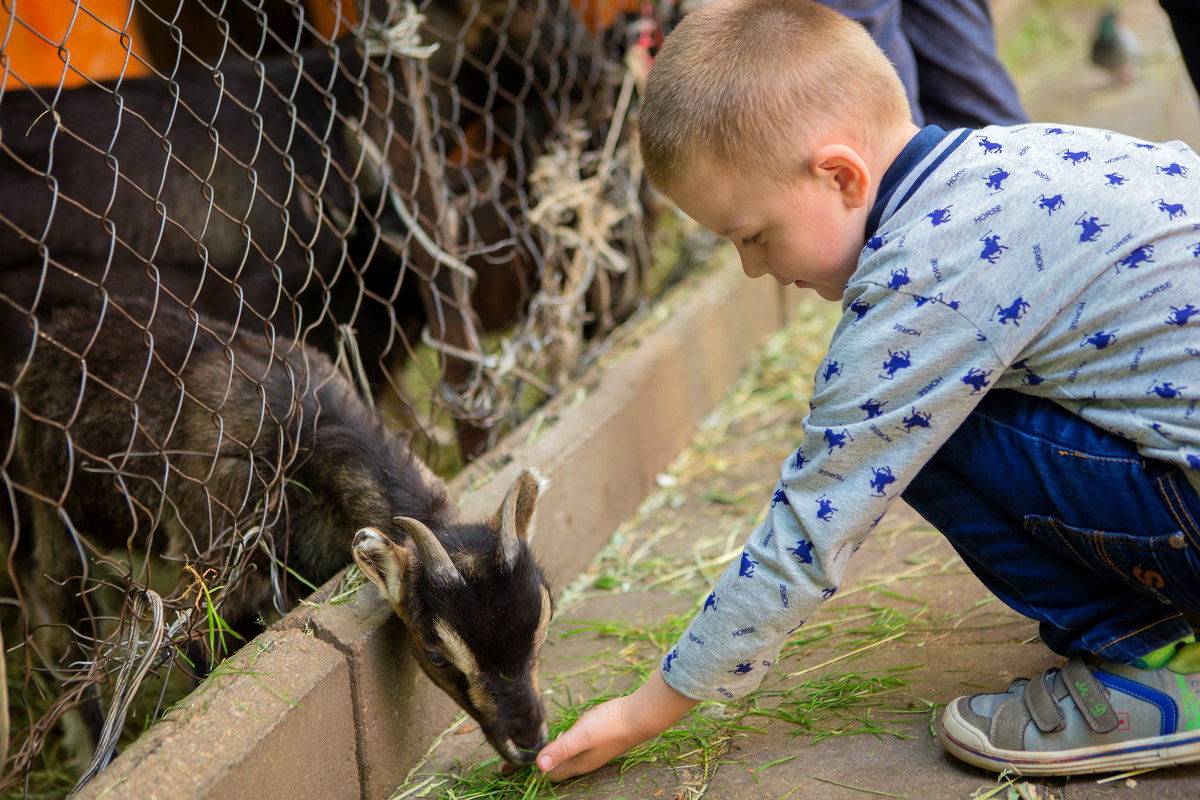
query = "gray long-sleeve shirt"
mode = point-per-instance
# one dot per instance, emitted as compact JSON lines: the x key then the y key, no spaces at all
{"x":1058,"y":261}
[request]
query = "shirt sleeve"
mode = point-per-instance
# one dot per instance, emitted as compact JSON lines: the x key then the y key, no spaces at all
{"x":901,"y":374}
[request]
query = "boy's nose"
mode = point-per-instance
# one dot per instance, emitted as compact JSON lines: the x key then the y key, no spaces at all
{"x":754,"y":267}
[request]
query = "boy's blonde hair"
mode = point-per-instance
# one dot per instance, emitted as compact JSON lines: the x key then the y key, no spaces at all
{"x":753,"y":84}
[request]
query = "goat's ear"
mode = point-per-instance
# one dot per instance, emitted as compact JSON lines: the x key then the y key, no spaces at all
{"x":386,"y":563}
{"x":516,"y":512}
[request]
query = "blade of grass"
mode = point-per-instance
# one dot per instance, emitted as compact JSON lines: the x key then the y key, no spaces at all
{"x":857,"y":788}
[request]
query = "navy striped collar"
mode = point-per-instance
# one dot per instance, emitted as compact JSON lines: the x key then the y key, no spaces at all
{"x":913,"y":154}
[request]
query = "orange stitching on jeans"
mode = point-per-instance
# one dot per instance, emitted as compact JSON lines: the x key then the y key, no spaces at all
{"x":1090,"y":457}
{"x":1177,"y":508}
{"x":1096,"y":537}
{"x":1176,"y":615}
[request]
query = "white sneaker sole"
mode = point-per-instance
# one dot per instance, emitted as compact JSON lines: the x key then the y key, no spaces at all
{"x":970,"y":745}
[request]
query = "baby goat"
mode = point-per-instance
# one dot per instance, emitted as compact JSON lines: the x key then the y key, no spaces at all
{"x":142,"y":430}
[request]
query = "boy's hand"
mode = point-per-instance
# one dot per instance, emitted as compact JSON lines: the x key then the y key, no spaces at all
{"x":609,"y":729}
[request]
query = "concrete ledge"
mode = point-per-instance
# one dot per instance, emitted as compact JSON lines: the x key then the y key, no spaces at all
{"x":332,"y":705}
{"x":274,"y":720}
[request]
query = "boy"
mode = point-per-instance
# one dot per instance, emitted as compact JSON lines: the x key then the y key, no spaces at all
{"x":1019,"y":357}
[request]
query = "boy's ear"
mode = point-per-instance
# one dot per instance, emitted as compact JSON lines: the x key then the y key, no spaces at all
{"x":846,"y":169}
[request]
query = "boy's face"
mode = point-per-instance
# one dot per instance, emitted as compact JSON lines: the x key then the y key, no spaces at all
{"x":806,"y":232}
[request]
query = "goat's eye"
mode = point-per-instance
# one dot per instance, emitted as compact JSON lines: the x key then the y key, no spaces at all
{"x":436,"y":659}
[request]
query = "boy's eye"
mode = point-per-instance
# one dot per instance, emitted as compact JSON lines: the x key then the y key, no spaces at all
{"x":752,"y":239}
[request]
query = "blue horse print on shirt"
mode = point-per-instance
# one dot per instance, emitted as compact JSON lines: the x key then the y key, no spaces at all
{"x":802,"y":551}
{"x":780,"y":496}
{"x":1166,"y":390}
{"x":835,"y":440}
{"x":990,"y":147}
{"x":825,"y":509}
{"x":939,"y":216}
{"x":883,"y":478}
{"x":1091,"y":228}
{"x":916,"y":420}
{"x":897,"y":360}
{"x":992,"y":249}
{"x":873,"y":407}
{"x":1180,"y":316}
{"x":1172,"y":210}
{"x":977,"y":379}
{"x":1012,"y":313}
{"x":995,"y":181}
{"x":1100,"y":339}
{"x":1141,"y":255}
{"x":1051,"y":204}
{"x":899,"y":278}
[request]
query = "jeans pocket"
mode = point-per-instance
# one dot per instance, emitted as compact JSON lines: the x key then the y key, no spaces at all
{"x":1163,"y":566}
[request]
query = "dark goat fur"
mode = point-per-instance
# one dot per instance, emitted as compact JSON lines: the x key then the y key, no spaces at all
{"x":243,"y":191}
{"x":245,"y":435}
{"x":210,"y":188}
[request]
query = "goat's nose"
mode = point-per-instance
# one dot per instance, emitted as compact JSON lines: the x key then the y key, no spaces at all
{"x":528,"y":748}
{"x":529,"y":735}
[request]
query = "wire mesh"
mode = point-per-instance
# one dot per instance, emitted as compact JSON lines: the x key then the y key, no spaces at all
{"x":211,"y":211}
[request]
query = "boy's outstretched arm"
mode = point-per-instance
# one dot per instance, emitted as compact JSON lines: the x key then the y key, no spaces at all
{"x":609,"y":729}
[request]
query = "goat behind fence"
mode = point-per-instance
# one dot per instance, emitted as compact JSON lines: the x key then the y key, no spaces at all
{"x":442,"y":200}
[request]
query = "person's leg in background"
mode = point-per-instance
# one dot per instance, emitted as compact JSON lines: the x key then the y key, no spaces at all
{"x":945,"y":54}
{"x":1185,"y":22}
{"x":962,"y":81}
{"x":883,"y":19}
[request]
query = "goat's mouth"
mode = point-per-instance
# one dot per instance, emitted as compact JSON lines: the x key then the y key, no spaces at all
{"x":516,"y":754}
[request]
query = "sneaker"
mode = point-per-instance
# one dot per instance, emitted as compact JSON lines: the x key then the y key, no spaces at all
{"x":1092,"y":716}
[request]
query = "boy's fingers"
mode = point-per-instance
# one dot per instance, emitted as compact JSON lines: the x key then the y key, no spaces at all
{"x":558,"y":751}
{"x":551,"y":756}
{"x":570,"y":754}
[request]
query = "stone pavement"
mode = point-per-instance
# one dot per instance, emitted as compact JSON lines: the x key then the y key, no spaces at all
{"x":848,"y":712}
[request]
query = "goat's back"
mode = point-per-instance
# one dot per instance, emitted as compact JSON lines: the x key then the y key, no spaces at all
{"x":178,"y":172}
{"x":136,"y":422}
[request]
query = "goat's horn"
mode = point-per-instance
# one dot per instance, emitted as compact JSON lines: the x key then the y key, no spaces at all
{"x":516,"y":512}
{"x":435,"y":558}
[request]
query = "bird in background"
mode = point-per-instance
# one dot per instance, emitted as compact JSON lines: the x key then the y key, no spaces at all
{"x":1115,"y":47}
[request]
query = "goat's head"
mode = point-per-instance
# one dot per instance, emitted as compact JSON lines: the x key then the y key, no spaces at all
{"x":477,"y":608}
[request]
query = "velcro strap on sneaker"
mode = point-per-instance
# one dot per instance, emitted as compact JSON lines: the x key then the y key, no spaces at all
{"x":1089,"y":695}
{"x":1040,"y":703}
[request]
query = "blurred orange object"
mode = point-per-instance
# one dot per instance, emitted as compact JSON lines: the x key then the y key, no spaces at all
{"x":599,"y":15}
{"x":331,"y":19}
{"x":99,"y":39}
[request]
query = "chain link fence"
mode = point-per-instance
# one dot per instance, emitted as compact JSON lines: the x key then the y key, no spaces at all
{"x":210,"y":207}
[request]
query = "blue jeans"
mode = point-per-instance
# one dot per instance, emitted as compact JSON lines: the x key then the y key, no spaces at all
{"x":1068,"y":525}
{"x":945,"y":53}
